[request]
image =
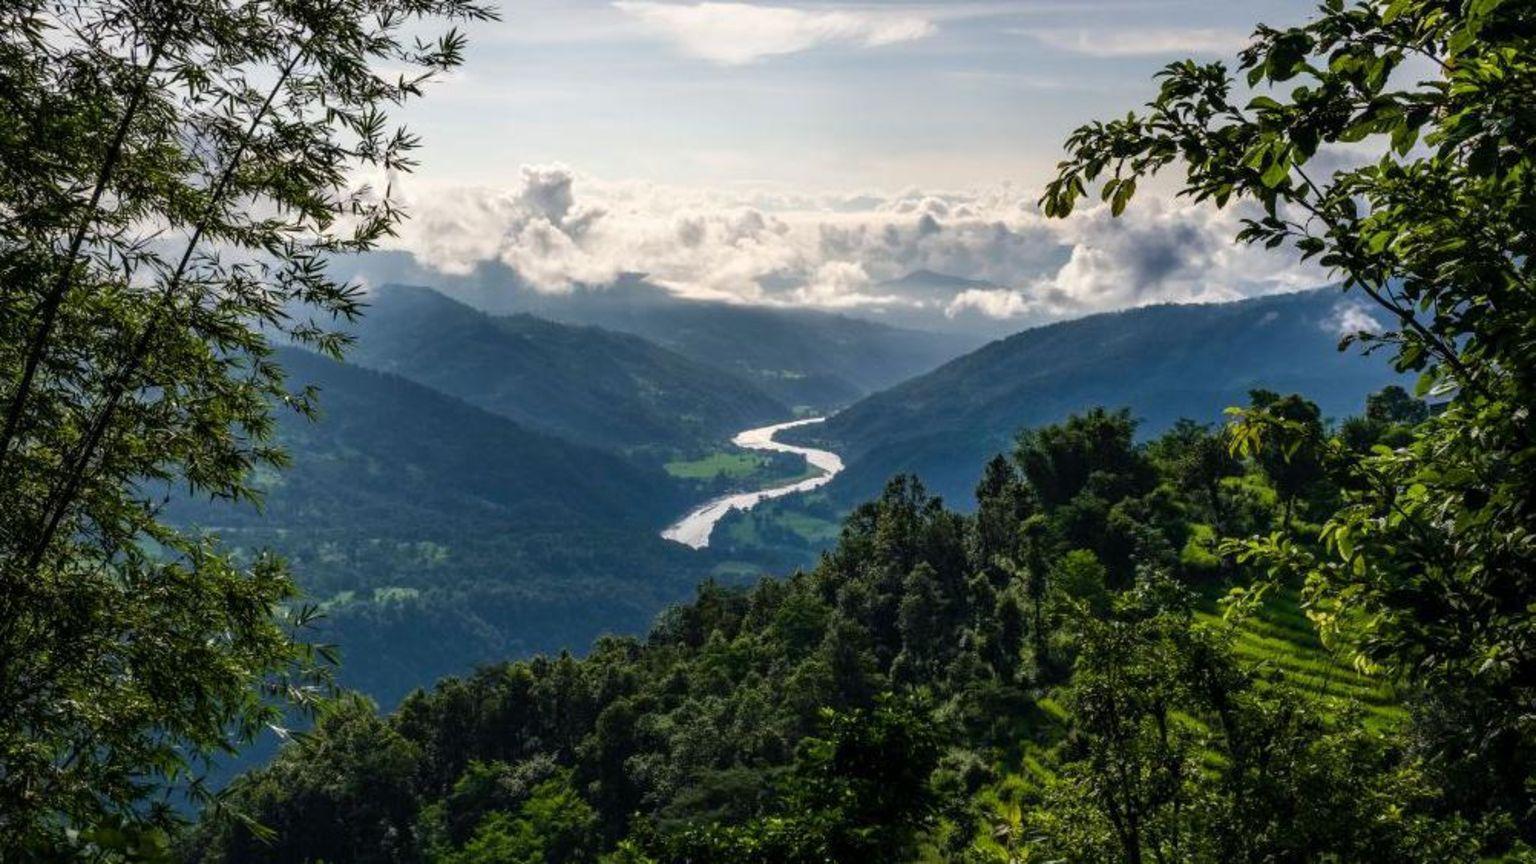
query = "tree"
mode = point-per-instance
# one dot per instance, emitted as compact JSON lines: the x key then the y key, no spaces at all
{"x":551,"y":827}
{"x":343,"y":794}
{"x":1134,"y":765}
{"x":859,"y":791}
{"x":1294,"y":461}
{"x":1197,"y":459}
{"x":1392,"y":404}
{"x":1180,"y":752}
{"x":1096,"y":448}
{"x":176,"y":175}
{"x":1390,"y":418}
{"x":1429,"y":565}
{"x":1002,"y":501}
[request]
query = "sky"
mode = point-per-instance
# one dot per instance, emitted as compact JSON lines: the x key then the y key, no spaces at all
{"x":807,"y":154}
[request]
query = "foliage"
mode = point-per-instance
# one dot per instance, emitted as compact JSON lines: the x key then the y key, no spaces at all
{"x":1427,"y":566}
{"x":175,"y":175}
{"x":552,"y":824}
{"x":875,"y":707}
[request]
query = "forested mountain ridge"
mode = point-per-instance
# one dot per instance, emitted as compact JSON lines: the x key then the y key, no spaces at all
{"x":580,"y":382}
{"x":371,"y":440}
{"x":438,"y":535}
{"x":1161,"y":362}
{"x":804,"y":358}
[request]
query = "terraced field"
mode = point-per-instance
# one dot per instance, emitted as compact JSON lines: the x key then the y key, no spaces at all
{"x":1281,"y":638}
{"x":1280,"y":641}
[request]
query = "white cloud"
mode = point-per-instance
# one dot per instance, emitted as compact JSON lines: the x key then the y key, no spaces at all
{"x":1349,"y":319}
{"x":1162,"y":252}
{"x":734,"y":34}
{"x":999,"y":303}
{"x":840,"y":285}
{"x":557,"y":229}
{"x":1142,"y":42}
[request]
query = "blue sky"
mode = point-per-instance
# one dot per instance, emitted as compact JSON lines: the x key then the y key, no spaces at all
{"x":812,"y":96}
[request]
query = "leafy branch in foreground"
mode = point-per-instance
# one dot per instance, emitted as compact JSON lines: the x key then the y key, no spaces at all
{"x":1429,"y":565}
{"x":174,"y":176}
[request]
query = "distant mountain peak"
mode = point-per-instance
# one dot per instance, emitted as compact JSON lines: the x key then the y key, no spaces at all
{"x":924,"y":278}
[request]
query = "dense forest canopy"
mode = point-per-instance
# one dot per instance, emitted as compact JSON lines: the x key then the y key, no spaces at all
{"x":1049,"y":674}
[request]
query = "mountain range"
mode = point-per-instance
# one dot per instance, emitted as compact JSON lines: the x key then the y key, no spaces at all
{"x":1162,"y":362}
{"x":815,"y":360}
{"x":482,"y":485}
{"x":583,"y":383}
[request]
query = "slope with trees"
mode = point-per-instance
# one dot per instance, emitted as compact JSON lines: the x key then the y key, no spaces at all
{"x":1162,"y":362}
{"x":437,"y":535}
{"x":589,"y":385}
{"x":884,"y":706}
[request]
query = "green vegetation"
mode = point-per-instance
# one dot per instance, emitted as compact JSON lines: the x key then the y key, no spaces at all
{"x":1426,"y":567}
{"x":735,"y":466}
{"x":589,"y":385}
{"x":1280,"y":637}
{"x":789,"y":532}
{"x":174,"y":176}
{"x":932,"y":674}
{"x":736,"y":470}
{"x":439,"y":535}
{"x":1162,"y":362}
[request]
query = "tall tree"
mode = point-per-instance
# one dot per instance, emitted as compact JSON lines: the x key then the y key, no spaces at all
{"x":1294,"y":461}
{"x":1430,"y":566}
{"x":174,"y":176}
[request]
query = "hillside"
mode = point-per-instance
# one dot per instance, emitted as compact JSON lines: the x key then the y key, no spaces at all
{"x":805,"y":358}
{"x":582,"y":383}
{"x":818,"y":360}
{"x":1162,"y":362}
{"x":924,"y":693}
{"x":438,"y":535}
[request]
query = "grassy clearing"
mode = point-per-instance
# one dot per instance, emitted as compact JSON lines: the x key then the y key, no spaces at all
{"x":811,"y":529}
{"x":733,"y":465}
{"x":740,"y":471}
{"x":1283,"y":642}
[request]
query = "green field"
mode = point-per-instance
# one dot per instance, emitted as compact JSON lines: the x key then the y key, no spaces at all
{"x":775,"y":523}
{"x":734,"y":465}
{"x":735,"y":470}
{"x":1281,"y":638}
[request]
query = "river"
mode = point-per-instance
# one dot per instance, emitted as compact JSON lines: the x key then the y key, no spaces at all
{"x":695,"y":528}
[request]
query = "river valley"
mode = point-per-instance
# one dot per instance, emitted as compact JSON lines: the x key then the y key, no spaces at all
{"x":695,"y":528}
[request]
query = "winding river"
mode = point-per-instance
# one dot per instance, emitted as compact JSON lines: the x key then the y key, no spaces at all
{"x":694,"y":529}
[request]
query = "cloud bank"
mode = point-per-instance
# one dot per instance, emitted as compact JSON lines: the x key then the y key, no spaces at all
{"x":558,"y":230}
{"x":735,"y":34}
